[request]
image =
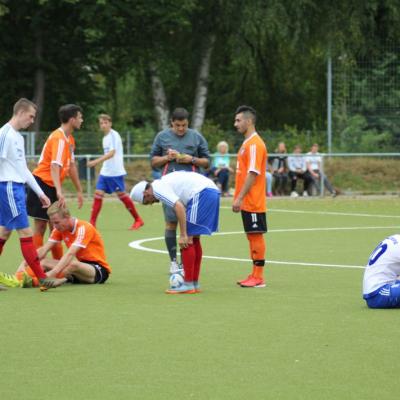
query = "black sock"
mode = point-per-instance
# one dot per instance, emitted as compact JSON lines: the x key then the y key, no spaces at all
{"x":170,"y":241}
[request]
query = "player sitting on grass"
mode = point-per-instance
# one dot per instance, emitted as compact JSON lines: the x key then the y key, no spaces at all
{"x":381,"y":286}
{"x":85,"y":260}
{"x":195,"y":200}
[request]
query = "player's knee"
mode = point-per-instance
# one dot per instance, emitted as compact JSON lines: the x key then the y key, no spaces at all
{"x":40,"y":227}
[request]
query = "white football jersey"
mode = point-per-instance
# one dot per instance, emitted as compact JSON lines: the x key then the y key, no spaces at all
{"x":114,"y":166}
{"x":383,"y":265}
{"x":180,"y":185}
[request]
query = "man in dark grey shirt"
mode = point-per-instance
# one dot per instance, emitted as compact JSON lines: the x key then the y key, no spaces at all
{"x":178,"y":148}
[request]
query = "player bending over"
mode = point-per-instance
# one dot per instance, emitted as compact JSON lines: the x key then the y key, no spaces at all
{"x":195,"y":200}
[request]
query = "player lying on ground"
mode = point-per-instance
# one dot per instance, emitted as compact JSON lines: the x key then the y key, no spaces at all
{"x":381,"y":285}
{"x":195,"y":200}
{"x":85,"y":260}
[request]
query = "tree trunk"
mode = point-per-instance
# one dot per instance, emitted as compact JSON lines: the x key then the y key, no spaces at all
{"x":159,"y":98}
{"x":40,"y":83}
{"x":200,"y":101}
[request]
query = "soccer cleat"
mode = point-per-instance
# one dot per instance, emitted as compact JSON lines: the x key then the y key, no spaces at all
{"x":137,"y":224}
{"x":50,"y":283}
{"x":305,"y":193}
{"x":294,"y":194}
{"x":25,"y":279}
{"x":175,"y":268}
{"x":253,"y":283}
{"x":244,"y":280}
{"x":196,"y":286}
{"x":184,"y":289}
{"x":9,"y":280}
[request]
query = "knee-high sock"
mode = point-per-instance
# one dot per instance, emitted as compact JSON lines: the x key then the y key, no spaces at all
{"x":198,"y":256}
{"x":170,"y":242}
{"x":31,"y":257}
{"x":188,"y":260}
{"x":96,"y":207}
{"x":57,"y":251}
{"x":38,"y":240}
{"x":2,"y":243}
{"x":129,"y":205}
{"x":257,"y":253}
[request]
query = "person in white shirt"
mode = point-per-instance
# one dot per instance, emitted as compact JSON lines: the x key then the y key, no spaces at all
{"x":195,"y":200}
{"x":313,"y":163}
{"x":14,"y":173}
{"x":112,"y":173}
{"x":298,"y":170}
{"x":381,"y":284}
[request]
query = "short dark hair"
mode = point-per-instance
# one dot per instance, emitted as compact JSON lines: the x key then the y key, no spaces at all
{"x":23,"y":104}
{"x":179,"y":114}
{"x":249,"y":112}
{"x":68,"y":111}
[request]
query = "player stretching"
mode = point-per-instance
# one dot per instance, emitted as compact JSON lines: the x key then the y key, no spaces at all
{"x":195,"y":200}
{"x":249,"y":197}
{"x":111,"y":178}
{"x":13,"y":175}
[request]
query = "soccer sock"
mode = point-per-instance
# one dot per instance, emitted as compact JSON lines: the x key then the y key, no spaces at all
{"x":38,"y":240}
{"x":129,"y":205}
{"x":257,"y":253}
{"x":31,"y":257}
{"x":170,"y":241}
{"x":188,"y":258}
{"x":2,"y":243}
{"x":96,"y":207}
{"x":57,"y":251}
{"x":198,"y":256}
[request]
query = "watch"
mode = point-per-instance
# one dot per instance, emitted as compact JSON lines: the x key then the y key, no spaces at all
{"x":193,"y":161}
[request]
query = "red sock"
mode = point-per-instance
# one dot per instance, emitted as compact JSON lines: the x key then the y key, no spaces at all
{"x":129,"y":205}
{"x":57,"y":251}
{"x":2,"y":243}
{"x":96,"y":207}
{"x":198,"y":256}
{"x":188,"y":259}
{"x":31,"y":257}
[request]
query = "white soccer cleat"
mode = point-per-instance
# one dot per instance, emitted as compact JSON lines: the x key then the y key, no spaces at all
{"x":294,"y":194}
{"x":305,"y":193}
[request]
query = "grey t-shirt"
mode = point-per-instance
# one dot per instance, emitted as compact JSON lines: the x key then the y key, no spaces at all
{"x":192,"y":143}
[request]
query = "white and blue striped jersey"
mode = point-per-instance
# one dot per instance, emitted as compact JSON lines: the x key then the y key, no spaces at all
{"x":383,"y":265}
{"x":114,"y":166}
{"x":13,"y":166}
{"x":180,"y":185}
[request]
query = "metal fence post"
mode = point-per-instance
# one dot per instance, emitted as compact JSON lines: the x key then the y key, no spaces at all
{"x":88,"y":177}
{"x":322,"y":176}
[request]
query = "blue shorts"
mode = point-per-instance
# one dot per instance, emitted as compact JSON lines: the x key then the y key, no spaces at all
{"x":13,"y":213}
{"x":111,"y":184}
{"x":387,"y":296}
{"x":202,"y":213}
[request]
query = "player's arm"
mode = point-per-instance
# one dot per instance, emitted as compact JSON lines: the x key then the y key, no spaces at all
{"x":73,"y":174}
{"x":248,"y":183}
{"x":101,"y":159}
{"x":65,"y":260}
{"x":55,"y":170}
{"x":180,"y":211}
{"x":41,"y":251}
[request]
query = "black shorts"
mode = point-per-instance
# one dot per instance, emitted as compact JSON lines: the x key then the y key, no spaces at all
{"x":254,"y":222}
{"x":100,"y":277}
{"x":33,"y":203}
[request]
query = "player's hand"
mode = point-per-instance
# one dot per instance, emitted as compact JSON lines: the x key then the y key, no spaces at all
{"x":91,"y":164}
{"x":46,"y":203}
{"x":80,"y":199}
{"x":61,"y":199}
{"x":236,"y":205}
{"x":184,"y":158}
{"x":172,"y":154}
{"x":183,"y":241}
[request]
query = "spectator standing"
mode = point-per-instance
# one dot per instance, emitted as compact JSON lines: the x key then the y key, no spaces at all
{"x":280,"y":170}
{"x":313,"y":163}
{"x":178,"y":148}
{"x":221,"y":167}
{"x":298,"y":170}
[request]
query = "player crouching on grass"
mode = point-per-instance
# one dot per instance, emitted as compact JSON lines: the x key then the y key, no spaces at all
{"x":85,"y":260}
{"x":195,"y":200}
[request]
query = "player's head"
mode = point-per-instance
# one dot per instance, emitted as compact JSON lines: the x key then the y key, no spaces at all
{"x":24,"y":113}
{"x":297,"y":149}
{"x":314,"y":147}
{"x":71,"y":114}
{"x":180,"y":121}
{"x":142,"y":193}
{"x":245,"y":119}
{"x":105,"y":122}
{"x":60,"y":217}
{"x":222,"y":147}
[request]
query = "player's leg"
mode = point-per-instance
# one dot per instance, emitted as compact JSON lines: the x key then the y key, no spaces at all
{"x":85,"y":272}
{"x":97,"y":204}
{"x":388,"y":296}
{"x":4,"y":235}
{"x":197,"y":262}
{"x":171,"y":223}
{"x":130,"y":206}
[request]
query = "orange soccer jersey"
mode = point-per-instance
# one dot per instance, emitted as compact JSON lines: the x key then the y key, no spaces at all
{"x":85,"y":236}
{"x":252,"y":156}
{"x":58,"y":149}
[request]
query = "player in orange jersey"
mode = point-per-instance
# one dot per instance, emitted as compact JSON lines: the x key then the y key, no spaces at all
{"x":249,"y":197}
{"x":85,"y":260}
{"x":56,"y":162}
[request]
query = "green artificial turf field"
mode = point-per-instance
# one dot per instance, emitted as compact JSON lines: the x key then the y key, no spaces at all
{"x":307,"y":335}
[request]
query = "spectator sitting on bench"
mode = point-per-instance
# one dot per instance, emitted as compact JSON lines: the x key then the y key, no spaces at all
{"x":298,"y":170}
{"x":279,"y":170}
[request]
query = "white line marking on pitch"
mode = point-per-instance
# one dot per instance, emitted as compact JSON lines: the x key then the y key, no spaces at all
{"x":137,"y":244}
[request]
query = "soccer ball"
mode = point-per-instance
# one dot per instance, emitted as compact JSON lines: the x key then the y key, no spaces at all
{"x":175,"y":280}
